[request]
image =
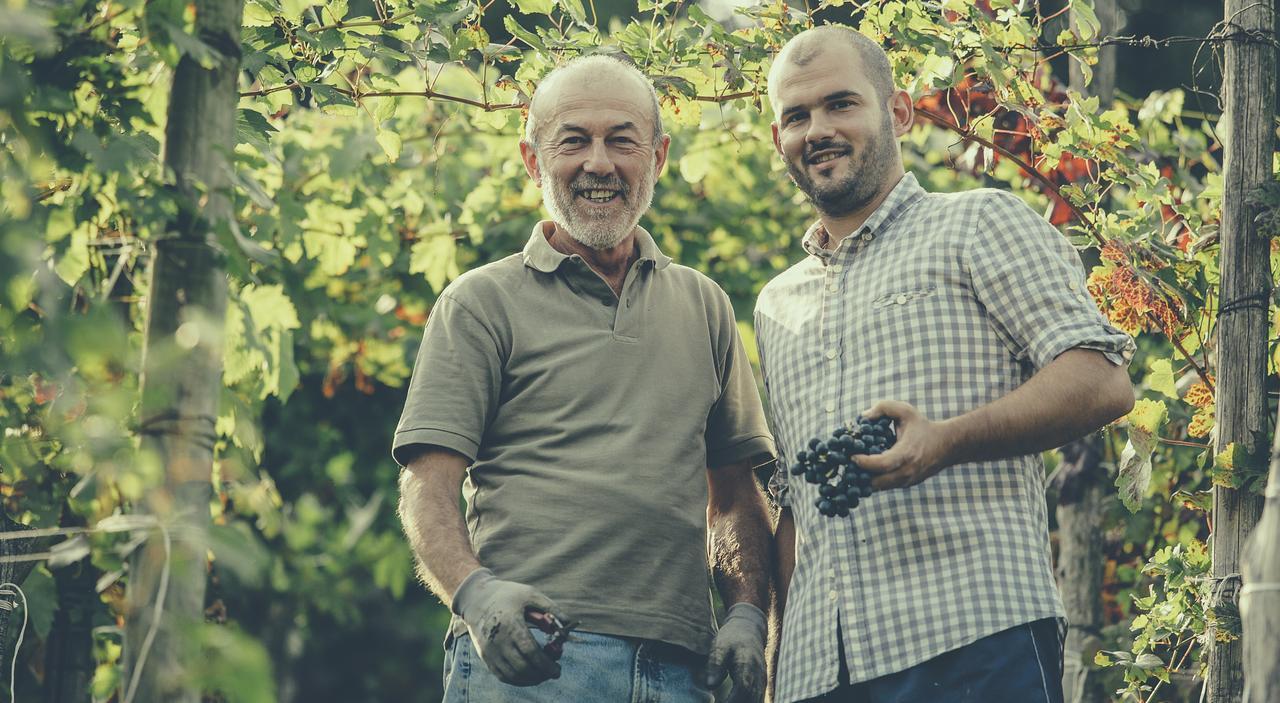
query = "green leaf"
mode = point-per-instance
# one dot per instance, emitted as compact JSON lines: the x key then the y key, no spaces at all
{"x":695,"y":166}
{"x":523,"y":34}
{"x":1148,"y":415}
{"x":257,"y":16}
{"x":436,"y":258}
{"x":535,"y":7}
{"x":390,"y":143}
{"x":1133,"y":477}
{"x":446,"y":14}
{"x":1147,"y":660}
{"x":269,"y":307}
{"x":1226,"y":466}
{"x":239,"y":550}
{"x":1160,"y":378}
{"x":252,"y":128}
{"x":1083,"y":17}
{"x":574,"y":9}
{"x":75,"y":261}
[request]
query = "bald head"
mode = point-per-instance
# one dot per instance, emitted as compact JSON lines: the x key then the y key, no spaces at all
{"x":595,"y":69}
{"x":804,"y":47}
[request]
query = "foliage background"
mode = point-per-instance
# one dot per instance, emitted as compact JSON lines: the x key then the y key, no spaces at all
{"x":353,"y":212}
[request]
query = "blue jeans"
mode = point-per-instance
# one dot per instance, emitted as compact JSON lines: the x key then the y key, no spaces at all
{"x":1022,"y":664}
{"x":593,"y":668}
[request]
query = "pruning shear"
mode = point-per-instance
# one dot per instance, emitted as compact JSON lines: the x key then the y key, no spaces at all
{"x":559,"y":631}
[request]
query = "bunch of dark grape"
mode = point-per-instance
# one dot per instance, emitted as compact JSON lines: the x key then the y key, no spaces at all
{"x":829,"y":463}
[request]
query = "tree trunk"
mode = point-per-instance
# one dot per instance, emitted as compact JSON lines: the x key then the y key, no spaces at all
{"x":1260,"y":600}
{"x":1082,"y":488}
{"x":1082,"y":481}
{"x":1249,"y":94}
{"x":182,"y":367}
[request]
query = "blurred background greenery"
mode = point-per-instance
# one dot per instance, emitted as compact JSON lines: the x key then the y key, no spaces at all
{"x":349,"y":222}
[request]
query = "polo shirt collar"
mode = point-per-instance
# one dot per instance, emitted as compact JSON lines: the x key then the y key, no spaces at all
{"x":541,"y":256}
{"x":902,"y":197}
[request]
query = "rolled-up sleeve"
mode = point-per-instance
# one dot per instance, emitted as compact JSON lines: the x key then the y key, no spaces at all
{"x":455,"y":385}
{"x":736,"y":428}
{"x":1032,"y":283}
{"x":778,"y":488}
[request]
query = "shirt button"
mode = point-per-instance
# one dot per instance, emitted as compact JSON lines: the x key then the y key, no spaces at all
{"x":832,"y":595}
{"x":833,"y":288}
{"x":831,"y":353}
{"x":831,"y":407}
{"x":867,"y":236}
{"x":902,"y":298}
{"x":1071,"y":285}
{"x":836,"y":268}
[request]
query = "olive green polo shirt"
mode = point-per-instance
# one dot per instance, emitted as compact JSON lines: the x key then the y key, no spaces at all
{"x":591,"y":419}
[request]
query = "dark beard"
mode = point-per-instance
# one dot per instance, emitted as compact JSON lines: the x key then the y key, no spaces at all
{"x":866,"y":176}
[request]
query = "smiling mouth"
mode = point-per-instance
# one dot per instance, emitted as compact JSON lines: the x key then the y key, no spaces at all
{"x":598,"y":195}
{"x":826,"y":157}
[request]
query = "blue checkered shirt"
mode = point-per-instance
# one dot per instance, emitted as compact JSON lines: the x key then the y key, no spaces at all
{"x":947,"y":302}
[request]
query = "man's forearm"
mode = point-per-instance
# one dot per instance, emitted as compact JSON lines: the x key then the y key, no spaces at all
{"x":433,"y":522}
{"x":1070,"y":397}
{"x":740,"y":544}
{"x":784,"y":540}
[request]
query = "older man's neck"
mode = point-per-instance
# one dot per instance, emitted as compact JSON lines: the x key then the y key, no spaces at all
{"x":612,"y":264}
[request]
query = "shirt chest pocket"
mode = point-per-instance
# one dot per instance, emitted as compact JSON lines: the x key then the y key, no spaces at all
{"x":901,"y":299}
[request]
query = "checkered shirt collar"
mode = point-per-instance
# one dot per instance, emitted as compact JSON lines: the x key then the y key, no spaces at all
{"x":903,"y":196}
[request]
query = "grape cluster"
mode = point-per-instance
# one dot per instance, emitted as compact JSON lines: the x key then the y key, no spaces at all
{"x":829,"y":463}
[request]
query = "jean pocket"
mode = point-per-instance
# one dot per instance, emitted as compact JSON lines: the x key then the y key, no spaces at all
{"x":457,"y":670}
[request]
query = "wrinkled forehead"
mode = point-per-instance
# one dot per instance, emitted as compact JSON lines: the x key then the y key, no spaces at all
{"x":585,"y":99}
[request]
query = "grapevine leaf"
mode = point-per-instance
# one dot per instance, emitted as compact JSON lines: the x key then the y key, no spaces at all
{"x":1160,"y":379}
{"x":535,"y":7}
{"x":1134,"y":476}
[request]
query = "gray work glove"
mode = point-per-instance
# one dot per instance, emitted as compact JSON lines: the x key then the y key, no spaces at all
{"x":494,"y":611}
{"x":738,"y":650}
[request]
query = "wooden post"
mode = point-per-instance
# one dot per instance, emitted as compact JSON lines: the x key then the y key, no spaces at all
{"x":1083,"y":483}
{"x":1260,"y":601}
{"x":1249,"y":94}
{"x":1082,"y":488}
{"x":182,"y":367}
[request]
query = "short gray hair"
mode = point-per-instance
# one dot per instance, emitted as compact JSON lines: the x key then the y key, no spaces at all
{"x":603,"y":65}
{"x":806,"y":46}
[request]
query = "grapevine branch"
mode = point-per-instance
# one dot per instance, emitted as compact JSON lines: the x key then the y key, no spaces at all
{"x":362,"y":23}
{"x":1048,"y":186}
{"x":428,"y":94}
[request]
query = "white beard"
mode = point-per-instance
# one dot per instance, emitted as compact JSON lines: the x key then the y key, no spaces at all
{"x":598,"y":231}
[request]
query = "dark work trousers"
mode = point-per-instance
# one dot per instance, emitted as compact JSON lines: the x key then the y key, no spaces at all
{"x":1020,"y":665}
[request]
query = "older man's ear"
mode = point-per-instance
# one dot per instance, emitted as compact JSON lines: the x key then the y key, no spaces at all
{"x":660,"y":153}
{"x":529,"y":156}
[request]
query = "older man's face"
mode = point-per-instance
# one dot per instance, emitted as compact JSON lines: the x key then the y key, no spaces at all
{"x":597,"y":159}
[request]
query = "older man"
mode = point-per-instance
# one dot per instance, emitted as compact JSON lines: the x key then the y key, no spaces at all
{"x":963,"y":318}
{"x":598,"y":401}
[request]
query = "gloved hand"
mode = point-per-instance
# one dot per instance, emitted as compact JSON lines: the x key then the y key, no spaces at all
{"x":494,"y":611}
{"x":738,"y":650}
